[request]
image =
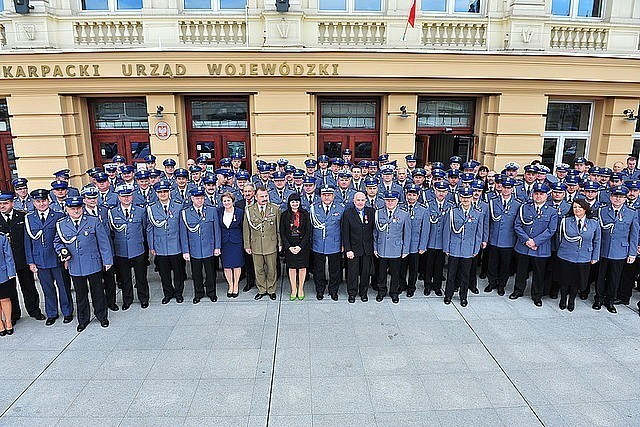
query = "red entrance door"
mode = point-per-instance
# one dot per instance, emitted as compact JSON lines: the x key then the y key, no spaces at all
{"x":8,"y":170}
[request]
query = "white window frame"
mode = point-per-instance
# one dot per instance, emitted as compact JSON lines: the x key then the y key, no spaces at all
{"x":636,"y":134}
{"x":352,"y":10}
{"x":573,"y":11}
{"x":450,"y":9}
{"x":214,"y":7}
{"x":563,"y":135}
{"x":112,"y":7}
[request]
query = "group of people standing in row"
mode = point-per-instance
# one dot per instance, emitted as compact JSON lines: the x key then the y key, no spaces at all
{"x":576,"y":230}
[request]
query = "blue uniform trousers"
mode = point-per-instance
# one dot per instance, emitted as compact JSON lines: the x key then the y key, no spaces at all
{"x":52,"y":292}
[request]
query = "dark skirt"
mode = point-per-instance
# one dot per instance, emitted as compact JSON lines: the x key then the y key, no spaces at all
{"x":299,"y":260}
{"x":232,"y":255}
{"x":7,"y":288}
{"x":570,"y":274}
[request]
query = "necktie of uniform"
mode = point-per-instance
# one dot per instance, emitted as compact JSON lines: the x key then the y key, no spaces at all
{"x":390,"y":215}
{"x":126,"y":213}
{"x":326,"y":210}
{"x":538,"y":210}
{"x":504,"y":203}
{"x":579,"y":226}
{"x":411,"y":211}
{"x":615,"y":213}
{"x":166,"y":209}
{"x":281,"y":195}
{"x":8,"y":218}
{"x":262,"y":211}
{"x":76,"y":223}
{"x":42,"y":217}
{"x":199,"y":211}
{"x":344,"y":195}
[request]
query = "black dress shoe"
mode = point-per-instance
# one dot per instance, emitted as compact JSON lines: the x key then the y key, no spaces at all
{"x":10,"y":331}
{"x":501,"y":292}
{"x":621,"y":302}
{"x":3,"y":332}
{"x":319,"y":296}
{"x":214,"y":298}
{"x":234,"y":295}
{"x":364,"y":298}
{"x":67,"y":319}
{"x":247,"y":288}
{"x":114,"y":307}
{"x":638,"y":304}
{"x":562,"y":305}
{"x":334,"y":297}
{"x":196,"y":300}
{"x":165,"y":300}
{"x":81,"y":327}
{"x":488,"y":289}
{"x":597,"y":305}
{"x":379,"y":298}
{"x":144,"y":305}
{"x":571,"y":306}
{"x":125,"y":306}
{"x":553,"y":295}
{"x":583,"y":296}
{"x":229,"y":295}
{"x":410,"y":293}
{"x":395,"y":299}
{"x":537,"y":303}
{"x":352,"y":299}
{"x":514,"y":296}
{"x":463,"y":303}
{"x":273,"y":297}
{"x":39,"y":316}
{"x":427,"y":291}
{"x":611,"y":309}
{"x":474,"y":291}
{"x":258,"y":296}
{"x":439,"y":292}
{"x":447,"y":300}
{"x":180,"y":299}
{"x":51,"y":320}
{"x":104,"y":323}
{"x":482,"y":276}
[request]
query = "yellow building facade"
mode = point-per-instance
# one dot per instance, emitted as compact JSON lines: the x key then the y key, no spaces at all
{"x":481,"y":93}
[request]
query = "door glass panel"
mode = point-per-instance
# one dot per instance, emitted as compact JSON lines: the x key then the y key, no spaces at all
{"x":364,"y":150}
{"x":573,"y":147}
{"x":4,"y":116}
{"x":206,"y":149}
{"x":140,"y":149}
{"x":219,"y":114}
{"x":636,"y":148}
{"x":445,"y":113}
{"x":549,"y":152}
{"x":568,"y":117}
{"x":11,"y":155}
{"x":121,"y":115}
{"x":236,"y":147}
{"x":333,"y":149}
{"x":108,"y":150}
{"x":348,"y":115}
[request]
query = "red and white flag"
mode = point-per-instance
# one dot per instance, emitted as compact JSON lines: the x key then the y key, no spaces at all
{"x":412,"y":14}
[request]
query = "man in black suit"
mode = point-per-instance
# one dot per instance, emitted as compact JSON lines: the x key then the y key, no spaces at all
{"x":357,"y":239}
{"x":248,"y":271}
{"x":12,"y":223}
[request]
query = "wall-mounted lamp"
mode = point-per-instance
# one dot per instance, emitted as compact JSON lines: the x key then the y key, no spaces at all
{"x":630,"y":114}
{"x":403,"y":112}
{"x":159,"y":110}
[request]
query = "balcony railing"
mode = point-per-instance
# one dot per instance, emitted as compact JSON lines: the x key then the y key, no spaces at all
{"x":215,"y":32}
{"x":108,"y":33}
{"x":352,"y":33}
{"x":462,"y":35}
{"x":578,"y":38}
{"x":3,"y":36}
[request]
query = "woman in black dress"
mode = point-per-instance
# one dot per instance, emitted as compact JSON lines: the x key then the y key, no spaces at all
{"x":295,"y":230}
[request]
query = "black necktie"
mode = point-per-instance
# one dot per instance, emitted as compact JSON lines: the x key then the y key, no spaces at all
{"x":579,"y":226}
{"x":615,"y":213}
{"x":281,"y":195}
{"x":76,"y":223}
{"x":8,"y":218}
{"x":326,"y":210}
{"x":199,"y":211}
{"x":166,"y":209}
{"x":126,"y":213}
{"x":42,"y":217}
{"x":411,"y":211}
{"x":504,"y":204}
{"x":538,"y":210}
{"x":344,"y":195}
{"x":390,"y":215}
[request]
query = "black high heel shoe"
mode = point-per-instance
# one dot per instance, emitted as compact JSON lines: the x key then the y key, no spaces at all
{"x":3,"y":332}
{"x":10,"y":331}
{"x":229,"y":295}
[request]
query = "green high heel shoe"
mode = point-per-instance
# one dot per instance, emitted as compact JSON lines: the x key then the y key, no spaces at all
{"x":292,"y":297}
{"x":300,"y":297}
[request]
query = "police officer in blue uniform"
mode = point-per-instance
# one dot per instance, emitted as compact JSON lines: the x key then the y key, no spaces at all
{"x":524,"y":190}
{"x":535,"y":226}
{"x":128,"y":224}
{"x":23,"y":200}
{"x":461,"y":241}
{"x":420,"y":227}
{"x":163,"y":235}
{"x":106,"y":196}
{"x":558,"y":202}
{"x":388,"y":184}
{"x":344,"y":192}
{"x":40,"y":228}
{"x":620,"y":231}
{"x":326,"y":217}
{"x":169,"y":169}
{"x":201,"y":240}
{"x":391,"y":243}
{"x":83,"y":244}
{"x":144,"y":194}
{"x":58,"y":194}
{"x":308,"y":196}
{"x":63,"y":175}
{"x":374,"y":199}
{"x":279,"y":193}
{"x":502,"y":236}
{"x":438,"y":213}
{"x":180,"y":190}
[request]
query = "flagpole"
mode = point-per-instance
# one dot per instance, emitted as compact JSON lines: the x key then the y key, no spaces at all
{"x":406,"y":27}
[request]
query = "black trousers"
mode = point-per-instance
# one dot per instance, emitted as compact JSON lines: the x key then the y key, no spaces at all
{"x":628,"y":280}
{"x":249,"y":271}
{"x":30,"y":294}
{"x":335,"y":272}
{"x":166,"y":265}
{"x":539,"y":266}
{"x":409,"y":264}
{"x":551,"y":285}
{"x":83,"y":285}
{"x":484,"y":263}
{"x":499,"y":267}
{"x":458,"y":273}
{"x":393,"y":265}
{"x":473,"y":272}
{"x":109,"y":279}
{"x":608,"y":282}
{"x":140,"y":270}
{"x":593,"y":279}
{"x":358,"y":275}
{"x":199,"y":281}
{"x":435,"y":265}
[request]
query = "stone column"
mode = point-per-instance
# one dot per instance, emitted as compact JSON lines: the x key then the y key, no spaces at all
{"x":399,"y":133}
{"x":176,"y":145}
{"x":614,"y":140}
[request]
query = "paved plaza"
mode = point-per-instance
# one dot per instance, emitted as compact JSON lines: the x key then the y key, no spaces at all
{"x":280,"y":363}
